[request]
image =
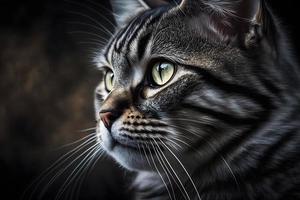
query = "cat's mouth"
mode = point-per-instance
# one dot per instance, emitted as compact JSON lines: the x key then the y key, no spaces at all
{"x":126,"y":142}
{"x":132,"y":150}
{"x":146,"y":144}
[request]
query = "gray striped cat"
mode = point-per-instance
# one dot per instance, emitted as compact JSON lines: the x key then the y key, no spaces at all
{"x":201,"y":99}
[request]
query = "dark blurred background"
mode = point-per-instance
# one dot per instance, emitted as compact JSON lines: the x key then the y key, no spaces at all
{"x":47,"y":80}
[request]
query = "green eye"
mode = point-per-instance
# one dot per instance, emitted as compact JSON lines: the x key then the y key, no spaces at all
{"x":162,"y":72}
{"x":109,"y":80}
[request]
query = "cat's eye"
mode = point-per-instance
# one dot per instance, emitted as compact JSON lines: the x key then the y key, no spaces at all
{"x":162,"y":72}
{"x":109,"y":80}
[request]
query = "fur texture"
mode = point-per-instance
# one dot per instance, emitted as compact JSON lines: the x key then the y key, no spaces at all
{"x":226,"y":125}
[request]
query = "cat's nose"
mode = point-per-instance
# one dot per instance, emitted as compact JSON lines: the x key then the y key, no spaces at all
{"x":108,"y":118}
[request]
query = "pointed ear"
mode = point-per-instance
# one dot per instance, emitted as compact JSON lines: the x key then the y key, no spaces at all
{"x":231,"y":18}
{"x":126,"y":9}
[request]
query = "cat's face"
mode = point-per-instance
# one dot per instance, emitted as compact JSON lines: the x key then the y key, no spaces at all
{"x":167,"y":86}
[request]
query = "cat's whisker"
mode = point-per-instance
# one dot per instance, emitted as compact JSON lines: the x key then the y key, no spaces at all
{"x":145,"y":153}
{"x":93,"y":10}
{"x":212,"y":147}
{"x":104,"y":8}
{"x":173,"y":143}
{"x":37,"y":181}
{"x":87,"y":33}
{"x":95,"y":40}
{"x":92,"y":46}
{"x":184,"y":192}
{"x":188,"y":175}
{"x":98,"y":152}
{"x":71,"y":186}
{"x":162,"y":164}
{"x":60,"y":172}
{"x":103,"y":39}
{"x":76,"y":186}
{"x":92,"y":43}
{"x":222,"y":157}
{"x":139,"y":148}
{"x":92,"y":20}
{"x":74,"y":173}
{"x":75,"y":142}
{"x":81,"y":177}
{"x":160,"y":175}
{"x":87,"y":129}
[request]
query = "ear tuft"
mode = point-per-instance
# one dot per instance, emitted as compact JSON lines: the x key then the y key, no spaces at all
{"x":126,"y":9}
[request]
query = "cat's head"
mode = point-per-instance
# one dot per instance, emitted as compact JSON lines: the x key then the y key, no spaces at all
{"x":179,"y":76}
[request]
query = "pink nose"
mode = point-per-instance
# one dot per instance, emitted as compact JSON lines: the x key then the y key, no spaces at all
{"x":108,"y":118}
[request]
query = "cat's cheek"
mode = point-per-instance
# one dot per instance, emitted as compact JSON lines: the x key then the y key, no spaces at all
{"x":104,"y":138}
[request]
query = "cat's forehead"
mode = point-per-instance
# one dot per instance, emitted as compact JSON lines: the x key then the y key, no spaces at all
{"x":134,"y":40}
{"x":164,"y":33}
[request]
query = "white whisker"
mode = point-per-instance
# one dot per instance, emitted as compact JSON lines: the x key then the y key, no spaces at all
{"x":75,"y":142}
{"x":70,"y":178}
{"x":162,"y":164}
{"x":104,"y":8}
{"x":183,"y":168}
{"x":212,"y":147}
{"x":104,"y":40}
{"x":93,"y":20}
{"x":87,"y":129}
{"x":60,"y":161}
{"x":93,"y":10}
{"x":87,"y":33}
{"x":153,"y":161}
{"x":185,"y":194}
{"x":63,"y":170}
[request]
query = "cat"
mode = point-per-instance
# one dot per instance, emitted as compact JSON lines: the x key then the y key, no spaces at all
{"x":201,"y":99}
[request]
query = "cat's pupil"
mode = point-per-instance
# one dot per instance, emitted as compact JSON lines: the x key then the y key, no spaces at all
{"x":162,"y":73}
{"x":161,"y":68}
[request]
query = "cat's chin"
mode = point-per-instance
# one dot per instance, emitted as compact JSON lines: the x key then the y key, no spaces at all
{"x":129,"y":155}
{"x":130,"y":158}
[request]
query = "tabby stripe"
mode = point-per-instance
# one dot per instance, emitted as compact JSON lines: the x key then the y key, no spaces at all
{"x":134,"y":26}
{"x":106,"y":56}
{"x":287,"y":136}
{"x":287,"y":162}
{"x":276,"y":148}
{"x":233,"y":144}
{"x":270,"y":86}
{"x":204,"y":140}
{"x":123,"y":34}
{"x":251,"y":93}
{"x":132,"y":30}
{"x":113,"y":42}
{"x":143,"y":20}
{"x":155,"y":16}
{"x":229,"y":119}
{"x":143,"y":45}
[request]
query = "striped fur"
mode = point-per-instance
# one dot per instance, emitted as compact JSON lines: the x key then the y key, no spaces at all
{"x":227,"y":125}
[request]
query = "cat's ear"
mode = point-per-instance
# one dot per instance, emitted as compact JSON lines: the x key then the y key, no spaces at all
{"x":125,"y":9}
{"x":231,"y":18}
